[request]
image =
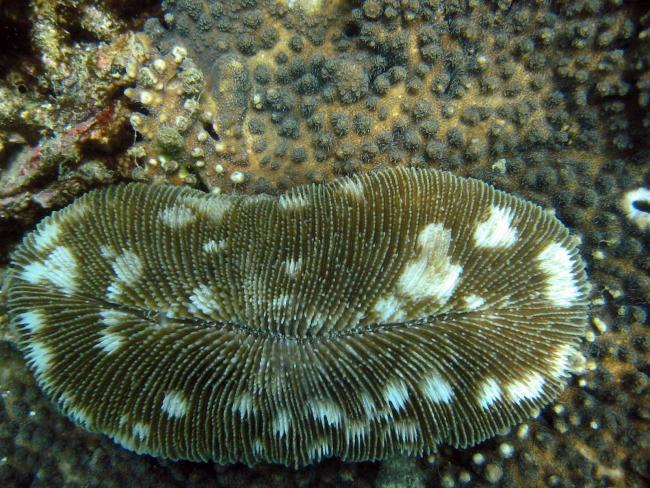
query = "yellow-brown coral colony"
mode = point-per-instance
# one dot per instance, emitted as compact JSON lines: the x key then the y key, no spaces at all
{"x":361,"y":319}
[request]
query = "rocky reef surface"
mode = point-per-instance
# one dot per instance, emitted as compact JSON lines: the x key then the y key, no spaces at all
{"x":546,"y":100}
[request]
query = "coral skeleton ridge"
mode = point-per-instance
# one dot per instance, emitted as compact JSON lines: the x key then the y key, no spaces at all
{"x":371,"y":316}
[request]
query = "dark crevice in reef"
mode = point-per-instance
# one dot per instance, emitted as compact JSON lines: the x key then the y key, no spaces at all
{"x":14,"y":34}
{"x":643,"y":206}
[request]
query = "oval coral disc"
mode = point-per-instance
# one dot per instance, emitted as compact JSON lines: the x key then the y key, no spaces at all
{"x":374,"y":315}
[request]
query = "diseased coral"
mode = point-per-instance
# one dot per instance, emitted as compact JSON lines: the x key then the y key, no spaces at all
{"x":546,"y":100}
{"x":312,"y":342}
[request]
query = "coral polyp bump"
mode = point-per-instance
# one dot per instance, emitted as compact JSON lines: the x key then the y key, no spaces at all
{"x":372,"y":316}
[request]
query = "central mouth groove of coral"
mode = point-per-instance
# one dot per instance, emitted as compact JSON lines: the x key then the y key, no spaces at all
{"x":161,"y":317}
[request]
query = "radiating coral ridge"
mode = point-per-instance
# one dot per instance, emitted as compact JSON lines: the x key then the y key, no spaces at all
{"x":375,"y":315}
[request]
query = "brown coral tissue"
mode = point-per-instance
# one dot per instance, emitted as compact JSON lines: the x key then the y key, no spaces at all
{"x":374,"y":315}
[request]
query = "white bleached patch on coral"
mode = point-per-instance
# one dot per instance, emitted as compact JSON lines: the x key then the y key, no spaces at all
{"x":561,"y":287}
{"x":81,"y":416}
{"x":141,"y":431}
{"x":47,"y":235}
{"x":318,"y":449}
{"x":114,"y":291}
{"x":629,"y":205}
{"x":213,"y":246}
{"x":244,"y":405}
{"x":174,"y":404}
{"x":125,"y":440}
{"x":356,"y":431}
{"x":368,"y":404}
{"x":203,"y":298}
{"x":281,"y":423}
{"x":166,"y":316}
{"x":107,"y":252}
{"x":385,"y":415}
{"x":109,"y":342}
{"x":59,"y":269}
{"x":406,"y":431}
{"x":352,"y":187}
{"x":436,"y":388}
{"x":292,"y":267}
{"x":357,"y":317}
{"x":564,"y":360}
{"x":389,"y":308}
{"x":38,"y":357}
{"x":109,"y":317}
{"x":497,"y":230}
{"x":258,"y":447}
{"x":489,"y":393}
{"x":127,"y":267}
{"x":431,"y":274}
{"x":293,"y":201}
{"x":71,"y":407}
{"x":280,"y":301}
{"x":473,"y":302}
{"x":213,"y":208}
{"x":325,"y":411}
{"x":529,"y":388}
{"x":32,"y":320}
{"x":176,"y":216}
{"x":396,"y":394}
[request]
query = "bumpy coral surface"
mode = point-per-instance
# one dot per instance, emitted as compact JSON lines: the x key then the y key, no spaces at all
{"x":292,"y":97}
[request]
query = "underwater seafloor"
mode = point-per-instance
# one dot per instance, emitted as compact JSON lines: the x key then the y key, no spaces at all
{"x":548,"y":100}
